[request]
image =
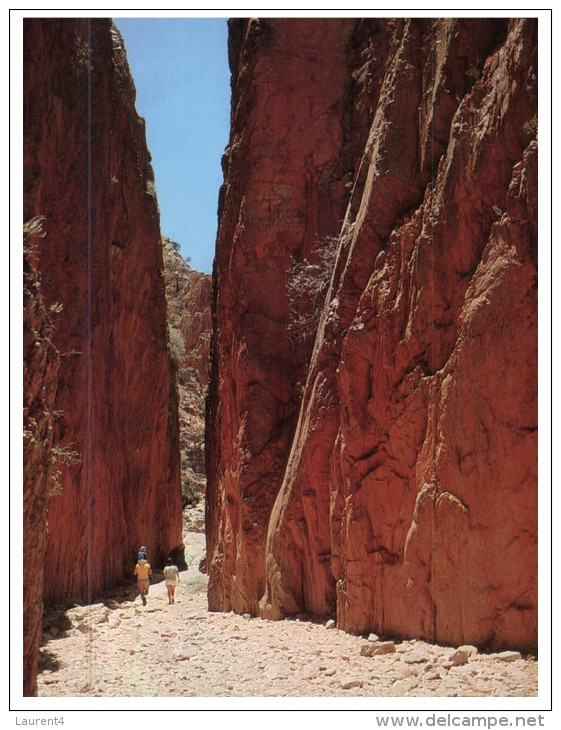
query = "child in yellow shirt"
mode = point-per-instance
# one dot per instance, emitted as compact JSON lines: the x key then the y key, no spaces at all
{"x":143,"y":571}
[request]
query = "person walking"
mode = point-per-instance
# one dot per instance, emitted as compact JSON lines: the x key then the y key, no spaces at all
{"x":143,"y":571}
{"x":171,"y":574}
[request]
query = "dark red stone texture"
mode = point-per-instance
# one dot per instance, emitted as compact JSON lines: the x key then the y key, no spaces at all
{"x":40,"y":369}
{"x":387,"y":471}
{"x":87,"y":171}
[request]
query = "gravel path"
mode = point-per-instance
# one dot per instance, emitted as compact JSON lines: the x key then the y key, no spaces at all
{"x":120,"y":648}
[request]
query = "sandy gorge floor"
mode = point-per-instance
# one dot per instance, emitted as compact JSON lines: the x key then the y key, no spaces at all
{"x":119,"y":648}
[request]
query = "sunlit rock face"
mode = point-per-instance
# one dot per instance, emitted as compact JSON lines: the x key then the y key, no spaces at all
{"x":87,"y":172}
{"x":385,"y":469}
{"x":189,"y":298}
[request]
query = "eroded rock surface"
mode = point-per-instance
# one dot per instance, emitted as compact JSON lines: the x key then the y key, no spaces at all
{"x":397,"y":488}
{"x":189,"y":297}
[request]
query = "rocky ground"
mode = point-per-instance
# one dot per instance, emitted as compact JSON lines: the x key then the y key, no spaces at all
{"x":118,"y":648}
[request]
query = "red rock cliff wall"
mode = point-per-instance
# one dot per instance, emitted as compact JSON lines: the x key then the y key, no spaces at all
{"x":41,"y":363}
{"x":189,"y":297}
{"x":408,"y":504}
{"x":284,"y":191}
{"x":87,"y":170}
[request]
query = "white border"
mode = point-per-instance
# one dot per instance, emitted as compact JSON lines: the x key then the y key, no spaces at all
{"x":58,"y":706}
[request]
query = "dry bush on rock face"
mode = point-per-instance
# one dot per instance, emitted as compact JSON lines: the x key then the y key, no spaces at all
{"x":34,"y":228}
{"x":61,"y":455}
{"x":306,"y":287}
{"x":177,"y":344}
{"x":531,"y":127}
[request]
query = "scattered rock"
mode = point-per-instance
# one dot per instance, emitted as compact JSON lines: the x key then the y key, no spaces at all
{"x":373,"y":637}
{"x":185,"y":655}
{"x":351,"y":684}
{"x":415,"y":659}
{"x":56,"y":622}
{"x":386,"y":647}
{"x":507,"y":656}
{"x":186,"y":650}
{"x":331,"y":624}
{"x":459,"y":657}
{"x":404,"y":686}
{"x":313,"y":674}
{"x":272,"y":671}
{"x":409,"y":670}
{"x":471,"y":650}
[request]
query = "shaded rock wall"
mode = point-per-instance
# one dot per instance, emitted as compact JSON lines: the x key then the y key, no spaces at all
{"x":408,"y":502}
{"x":87,"y":171}
{"x":40,"y":368}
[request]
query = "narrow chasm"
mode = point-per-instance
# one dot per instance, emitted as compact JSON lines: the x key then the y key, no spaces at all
{"x":313,"y":473}
{"x":189,"y":301}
